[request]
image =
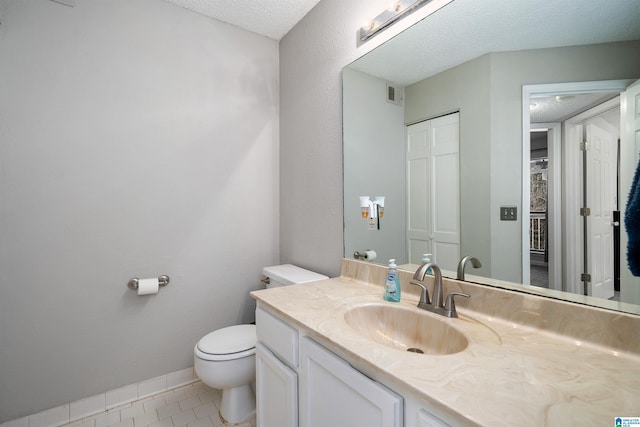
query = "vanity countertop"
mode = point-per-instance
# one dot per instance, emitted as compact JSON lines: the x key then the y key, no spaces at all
{"x":510,"y":374}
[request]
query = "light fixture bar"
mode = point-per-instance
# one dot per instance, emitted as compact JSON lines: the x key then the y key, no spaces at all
{"x":398,"y":10}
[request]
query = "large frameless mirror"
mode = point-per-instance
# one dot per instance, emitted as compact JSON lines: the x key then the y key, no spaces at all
{"x":471,"y":124}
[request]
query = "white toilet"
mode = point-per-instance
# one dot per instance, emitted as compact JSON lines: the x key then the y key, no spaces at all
{"x":225,"y":359}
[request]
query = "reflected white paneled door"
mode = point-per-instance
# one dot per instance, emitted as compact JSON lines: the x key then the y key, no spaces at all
{"x":601,"y":200}
{"x":433,"y":191}
{"x":418,"y":191}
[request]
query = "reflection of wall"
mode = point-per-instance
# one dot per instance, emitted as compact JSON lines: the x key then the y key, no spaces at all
{"x":374,"y":165}
{"x":461,"y":88}
{"x":491,"y":123}
{"x":511,"y":70}
{"x":136,"y":139}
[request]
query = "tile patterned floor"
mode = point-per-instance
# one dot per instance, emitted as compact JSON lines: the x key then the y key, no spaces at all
{"x":194,"y":405}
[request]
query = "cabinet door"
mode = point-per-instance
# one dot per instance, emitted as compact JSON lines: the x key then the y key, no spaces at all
{"x":425,"y":419}
{"x":276,"y":391}
{"x":332,"y":393}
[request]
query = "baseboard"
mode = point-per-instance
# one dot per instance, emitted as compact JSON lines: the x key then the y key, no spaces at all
{"x":92,"y":405}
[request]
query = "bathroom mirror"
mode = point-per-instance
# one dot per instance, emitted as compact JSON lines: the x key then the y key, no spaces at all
{"x":489,"y":62}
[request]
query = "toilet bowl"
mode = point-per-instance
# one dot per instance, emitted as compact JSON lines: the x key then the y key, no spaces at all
{"x":225,"y":359}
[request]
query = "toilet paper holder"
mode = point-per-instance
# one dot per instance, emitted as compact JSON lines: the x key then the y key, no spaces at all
{"x":162,"y":281}
{"x":364,"y":255}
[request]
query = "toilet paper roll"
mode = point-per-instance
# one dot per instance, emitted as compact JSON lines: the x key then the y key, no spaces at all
{"x":148,"y":286}
{"x":370,"y":255}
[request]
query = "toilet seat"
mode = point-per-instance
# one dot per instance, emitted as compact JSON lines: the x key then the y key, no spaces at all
{"x":233,"y":342}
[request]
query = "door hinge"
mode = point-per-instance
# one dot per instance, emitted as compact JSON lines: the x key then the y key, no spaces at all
{"x":584,"y":146}
{"x":585,"y":211}
{"x":585,"y":277}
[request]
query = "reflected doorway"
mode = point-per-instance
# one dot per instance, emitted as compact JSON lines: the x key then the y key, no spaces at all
{"x":539,"y":208}
{"x":565,"y":237}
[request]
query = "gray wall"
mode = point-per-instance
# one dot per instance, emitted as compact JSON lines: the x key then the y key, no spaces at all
{"x":374,"y":165}
{"x":461,"y":89}
{"x":136,"y":139}
{"x":488,"y":93}
{"x":312,"y":56}
{"x":511,"y":70}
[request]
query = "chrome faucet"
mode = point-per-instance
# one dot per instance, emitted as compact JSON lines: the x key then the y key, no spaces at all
{"x":475,"y":262}
{"x":436,"y":305}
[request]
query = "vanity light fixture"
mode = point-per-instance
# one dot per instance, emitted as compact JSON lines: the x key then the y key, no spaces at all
{"x":372,"y":210}
{"x":398,"y":10}
{"x":563,"y":98}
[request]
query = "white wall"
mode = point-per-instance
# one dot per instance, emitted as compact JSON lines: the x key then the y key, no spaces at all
{"x":312,"y":56}
{"x":136,"y":139}
{"x":374,"y":165}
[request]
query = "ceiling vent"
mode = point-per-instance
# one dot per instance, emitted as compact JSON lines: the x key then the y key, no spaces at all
{"x":395,"y":94}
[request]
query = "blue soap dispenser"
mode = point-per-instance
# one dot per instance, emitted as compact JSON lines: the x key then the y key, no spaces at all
{"x":392,"y":285}
{"x":426,"y":259}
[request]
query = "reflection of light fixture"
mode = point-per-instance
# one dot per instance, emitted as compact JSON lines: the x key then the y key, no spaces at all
{"x":372,"y":210}
{"x":398,"y":10}
{"x":562,"y":98}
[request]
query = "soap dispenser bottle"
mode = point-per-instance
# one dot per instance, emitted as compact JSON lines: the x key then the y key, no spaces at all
{"x":426,"y":259}
{"x":392,"y":285}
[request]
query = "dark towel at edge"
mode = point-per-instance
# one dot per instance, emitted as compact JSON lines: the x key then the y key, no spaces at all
{"x":632,"y":224}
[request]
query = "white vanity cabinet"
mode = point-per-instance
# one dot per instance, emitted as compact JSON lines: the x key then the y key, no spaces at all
{"x":425,"y":419}
{"x":276,"y":377}
{"x":332,"y":393}
{"x":301,"y":383}
{"x":276,"y":391}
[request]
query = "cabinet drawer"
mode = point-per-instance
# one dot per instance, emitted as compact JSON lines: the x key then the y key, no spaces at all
{"x":279,"y":337}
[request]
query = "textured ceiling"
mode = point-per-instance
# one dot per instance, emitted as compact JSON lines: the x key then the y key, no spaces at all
{"x":466,"y":29}
{"x":552,"y":109}
{"x":271,"y":18}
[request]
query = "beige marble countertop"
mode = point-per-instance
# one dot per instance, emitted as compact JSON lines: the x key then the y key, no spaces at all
{"x":510,"y":374}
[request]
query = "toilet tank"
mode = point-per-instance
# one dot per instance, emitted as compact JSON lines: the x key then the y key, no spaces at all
{"x":288,"y":274}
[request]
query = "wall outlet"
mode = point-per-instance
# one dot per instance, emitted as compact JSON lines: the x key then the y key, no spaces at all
{"x":508,"y":213}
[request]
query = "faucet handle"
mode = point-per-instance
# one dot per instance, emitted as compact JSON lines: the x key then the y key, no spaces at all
{"x":424,"y":294}
{"x":450,"y":305}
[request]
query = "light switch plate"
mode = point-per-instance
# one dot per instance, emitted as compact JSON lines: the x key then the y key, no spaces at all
{"x":508,"y":213}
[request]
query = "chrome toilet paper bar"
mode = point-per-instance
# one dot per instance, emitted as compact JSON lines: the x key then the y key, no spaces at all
{"x":162,"y":281}
{"x":365,"y":255}
{"x":360,"y":255}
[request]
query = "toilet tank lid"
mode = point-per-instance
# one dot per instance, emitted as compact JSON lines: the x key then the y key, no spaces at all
{"x":289,"y":274}
{"x":232,"y":339}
